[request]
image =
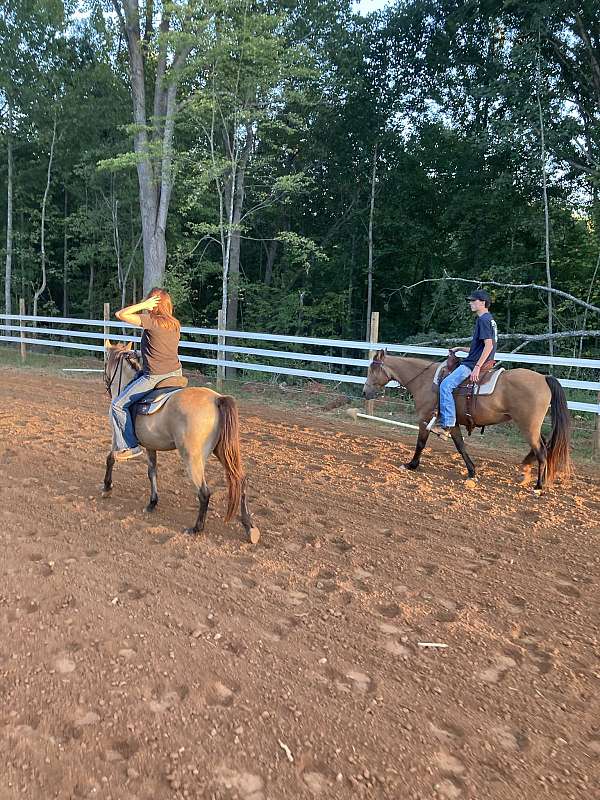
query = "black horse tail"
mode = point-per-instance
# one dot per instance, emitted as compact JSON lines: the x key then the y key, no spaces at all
{"x":558,"y":448}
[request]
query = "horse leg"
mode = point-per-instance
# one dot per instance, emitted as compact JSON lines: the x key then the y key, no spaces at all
{"x":152,"y":478}
{"x":540,"y":454}
{"x":107,"y":487}
{"x":195,"y":464}
{"x":527,"y":464}
{"x":252,"y":531}
{"x":203,"y":498}
{"x":459,"y":443}
{"x":421,"y":442}
{"x":531,"y":430}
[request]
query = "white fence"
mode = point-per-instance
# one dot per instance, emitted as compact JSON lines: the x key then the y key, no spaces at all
{"x":36,"y":331}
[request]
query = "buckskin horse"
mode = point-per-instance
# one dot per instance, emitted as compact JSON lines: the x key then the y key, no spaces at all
{"x":520,"y":395}
{"x":195,"y":421}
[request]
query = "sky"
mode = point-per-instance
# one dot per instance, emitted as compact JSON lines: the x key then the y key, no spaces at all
{"x":366,"y":6}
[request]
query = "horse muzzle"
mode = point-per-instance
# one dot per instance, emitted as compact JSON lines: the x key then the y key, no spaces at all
{"x":372,"y":393}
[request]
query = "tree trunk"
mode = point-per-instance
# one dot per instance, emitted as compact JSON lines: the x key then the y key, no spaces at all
{"x":155,"y":183}
{"x":272,"y":250}
{"x":9,"y":215}
{"x":42,"y":287}
{"x":234,"y":254}
{"x":237,"y":189}
{"x":546,"y":210}
{"x":370,"y":267}
{"x":65,"y":263}
{"x":90,"y":297}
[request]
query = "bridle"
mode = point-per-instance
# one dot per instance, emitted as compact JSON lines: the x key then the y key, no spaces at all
{"x":126,"y":355}
{"x":378,"y":362}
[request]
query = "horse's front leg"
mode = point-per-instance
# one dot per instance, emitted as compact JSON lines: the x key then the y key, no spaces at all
{"x":152,"y":471}
{"x":107,"y":487}
{"x":421,"y":442}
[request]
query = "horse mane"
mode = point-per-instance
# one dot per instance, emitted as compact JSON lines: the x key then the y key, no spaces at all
{"x":121,"y":350}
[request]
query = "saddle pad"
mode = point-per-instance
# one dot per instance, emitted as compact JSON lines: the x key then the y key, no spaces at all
{"x":154,"y":401}
{"x":482,"y":389}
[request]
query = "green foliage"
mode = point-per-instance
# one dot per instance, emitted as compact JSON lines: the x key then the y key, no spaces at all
{"x":298,"y":95}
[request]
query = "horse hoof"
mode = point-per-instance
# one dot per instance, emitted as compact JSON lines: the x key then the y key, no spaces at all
{"x":149,"y":508}
{"x":191,"y":531}
{"x":470,"y":483}
{"x":254,"y":535}
{"x":106,"y":493}
{"x":537,"y":492}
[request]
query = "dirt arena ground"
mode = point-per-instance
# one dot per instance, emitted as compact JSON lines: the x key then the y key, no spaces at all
{"x":136,"y":662}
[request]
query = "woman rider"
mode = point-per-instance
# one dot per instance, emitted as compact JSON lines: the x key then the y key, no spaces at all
{"x":159,"y":346}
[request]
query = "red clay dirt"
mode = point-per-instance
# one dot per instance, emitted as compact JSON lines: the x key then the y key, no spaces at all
{"x":137,"y":662}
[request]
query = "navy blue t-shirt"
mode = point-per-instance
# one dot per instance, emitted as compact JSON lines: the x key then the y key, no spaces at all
{"x":485,"y":328}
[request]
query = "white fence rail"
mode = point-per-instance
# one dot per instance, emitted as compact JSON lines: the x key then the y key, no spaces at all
{"x":36,"y":331}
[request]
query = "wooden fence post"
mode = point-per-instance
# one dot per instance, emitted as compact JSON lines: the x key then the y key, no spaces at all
{"x":106,"y":329}
{"x":221,"y":325}
{"x":21,"y":323}
{"x":373,"y":339}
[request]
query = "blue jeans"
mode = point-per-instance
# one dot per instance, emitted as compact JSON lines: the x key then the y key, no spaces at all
{"x":124,"y":431}
{"x":447,"y":406}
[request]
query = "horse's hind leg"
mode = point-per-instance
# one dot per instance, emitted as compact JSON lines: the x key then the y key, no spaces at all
{"x":203,"y":498}
{"x":459,"y":443}
{"x":527,"y":464}
{"x":252,"y":531}
{"x":531,"y":430}
{"x":107,"y":487}
{"x":152,"y":478}
{"x":195,"y":464}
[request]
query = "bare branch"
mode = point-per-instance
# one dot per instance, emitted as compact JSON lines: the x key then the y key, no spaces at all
{"x":119,"y":13}
{"x":526,"y":337}
{"x":480,"y":281}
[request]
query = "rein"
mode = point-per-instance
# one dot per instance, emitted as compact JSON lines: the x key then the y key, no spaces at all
{"x":124,"y":356}
{"x":377,"y":362}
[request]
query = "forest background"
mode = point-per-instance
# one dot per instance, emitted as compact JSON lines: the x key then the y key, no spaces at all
{"x":299,"y":164}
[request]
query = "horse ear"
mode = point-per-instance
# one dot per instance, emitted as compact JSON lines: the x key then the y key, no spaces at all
{"x":129,"y":346}
{"x":380,"y":355}
{"x":107,"y":344}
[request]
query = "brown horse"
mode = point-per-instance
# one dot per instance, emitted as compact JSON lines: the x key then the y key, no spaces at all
{"x":196,"y":422}
{"x":521,"y":395}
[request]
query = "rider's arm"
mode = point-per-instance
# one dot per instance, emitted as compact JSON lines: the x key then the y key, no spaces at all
{"x":130,"y":314}
{"x":488,"y":346}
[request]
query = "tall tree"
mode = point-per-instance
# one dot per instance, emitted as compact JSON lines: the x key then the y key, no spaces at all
{"x":168,"y":46}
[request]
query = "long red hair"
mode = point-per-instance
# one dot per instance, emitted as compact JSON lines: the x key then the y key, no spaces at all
{"x":163,"y":312}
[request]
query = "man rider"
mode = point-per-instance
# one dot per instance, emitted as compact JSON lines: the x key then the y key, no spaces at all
{"x":483,"y":348}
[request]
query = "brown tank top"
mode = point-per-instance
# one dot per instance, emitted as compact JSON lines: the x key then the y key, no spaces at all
{"x":159,"y":347}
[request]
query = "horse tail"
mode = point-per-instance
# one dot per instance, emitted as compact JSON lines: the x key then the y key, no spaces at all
{"x":227,"y":450}
{"x":558,"y":447}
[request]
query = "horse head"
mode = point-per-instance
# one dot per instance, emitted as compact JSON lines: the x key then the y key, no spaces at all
{"x":377,"y":377}
{"x":121,"y":366}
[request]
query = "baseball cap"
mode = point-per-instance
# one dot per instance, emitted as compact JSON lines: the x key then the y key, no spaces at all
{"x":480,"y":294}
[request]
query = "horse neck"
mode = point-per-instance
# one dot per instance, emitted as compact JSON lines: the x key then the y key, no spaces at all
{"x":414,"y":371}
{"x":127,"y":374}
